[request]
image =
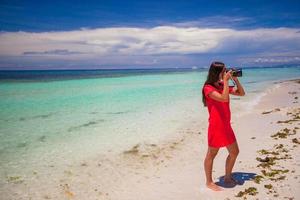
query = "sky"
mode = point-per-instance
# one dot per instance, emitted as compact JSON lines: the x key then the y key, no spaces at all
{"x":148,"y":34}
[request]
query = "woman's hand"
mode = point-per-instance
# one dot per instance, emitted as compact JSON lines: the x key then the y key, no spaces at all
{"x":235,"y":78}
{"x":239,"y":91}
{"x":227,"y":75}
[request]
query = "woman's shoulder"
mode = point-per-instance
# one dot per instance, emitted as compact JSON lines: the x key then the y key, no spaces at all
{"x":210,"y":86}
{"x":207,"y":88}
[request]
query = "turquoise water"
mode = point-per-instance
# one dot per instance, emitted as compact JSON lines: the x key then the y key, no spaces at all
{"x":79,"y":115}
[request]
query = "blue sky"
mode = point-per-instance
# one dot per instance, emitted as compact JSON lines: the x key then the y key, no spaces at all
{"x":147,"y":34}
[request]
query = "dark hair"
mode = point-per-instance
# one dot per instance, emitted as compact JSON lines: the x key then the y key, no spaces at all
{"x":213,"y":76}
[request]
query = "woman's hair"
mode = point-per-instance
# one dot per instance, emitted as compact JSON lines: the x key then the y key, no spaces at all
{"x":213,"y":76}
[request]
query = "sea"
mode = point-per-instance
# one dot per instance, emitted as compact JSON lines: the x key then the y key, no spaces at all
{"x":50,"y":116}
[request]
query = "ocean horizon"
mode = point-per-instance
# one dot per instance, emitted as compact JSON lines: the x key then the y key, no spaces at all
{"x":55,"y":74}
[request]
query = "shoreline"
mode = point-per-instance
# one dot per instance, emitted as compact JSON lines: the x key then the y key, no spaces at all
{"x":173,"y":169}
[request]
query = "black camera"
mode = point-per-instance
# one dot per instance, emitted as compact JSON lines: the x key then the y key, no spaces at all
{"x":235,"y":71}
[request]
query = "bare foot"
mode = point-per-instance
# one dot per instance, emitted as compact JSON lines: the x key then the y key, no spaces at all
{"x":213,"y":186}
{"x":230,"y":181}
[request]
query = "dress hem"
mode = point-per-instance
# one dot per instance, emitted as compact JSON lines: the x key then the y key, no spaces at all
{"x":223,"y":145}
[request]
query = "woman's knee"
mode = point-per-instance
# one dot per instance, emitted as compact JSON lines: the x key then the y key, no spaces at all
{"x":212,"y":153}
{"x":233,"y":150}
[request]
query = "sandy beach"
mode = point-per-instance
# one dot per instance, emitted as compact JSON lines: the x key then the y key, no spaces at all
{"x":268,"y":166}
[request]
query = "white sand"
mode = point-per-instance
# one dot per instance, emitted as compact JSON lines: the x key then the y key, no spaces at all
{"x":174,"y":169}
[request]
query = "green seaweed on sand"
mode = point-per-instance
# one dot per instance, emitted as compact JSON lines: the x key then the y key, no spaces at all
{"x":133,"y":150}
{"x":270,"y":161}
{"x":289,"y":198}
{"x":271,"y":190}
{"x":267,"y":112}
{"x":264,"y":165}
{"x":266,"y":162}
{"x":284,"y":133}
{"x":273,"y":172}
{"x":295,"y":114}
{"x":14,"y":179}
{"x":280,"y":148}
{"x":289,"y":121}
{"x":266,"y":152}
{"x":278,"y":179}
{"x":269,"y":186}
{"x":249,"y":191}
{"x":296,"y":141}
{"x":257,"y":179}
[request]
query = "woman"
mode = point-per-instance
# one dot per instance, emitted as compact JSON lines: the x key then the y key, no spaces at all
{"x":220,"y":134}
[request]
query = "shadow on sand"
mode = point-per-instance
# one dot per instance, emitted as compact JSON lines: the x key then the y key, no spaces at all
{"x":239,"y":177}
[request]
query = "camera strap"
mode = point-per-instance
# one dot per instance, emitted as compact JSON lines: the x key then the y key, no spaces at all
{"x":234,"y":84}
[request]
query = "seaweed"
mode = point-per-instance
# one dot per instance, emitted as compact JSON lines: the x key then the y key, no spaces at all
{"x":284,"y":133}
{"x":269,"y":186}
{"x":133,"y":150}
{"x":90,"y":123}
{"x":266,"y":162}
{"x":295,"y":116}
{"x":267,"y":112}
{"x":274,"y":172}
{"x":278,"y":146}
{"x":289,"y":198}
{"x":14,"y":179}
{"x":265,"y":152}
{"x":257,"y":179}
{"x":292,"y":93}
{"x":278,"y":179}
{"x":296,"y":141}
{"x":287,"y":121}
{"x":249,"y":191}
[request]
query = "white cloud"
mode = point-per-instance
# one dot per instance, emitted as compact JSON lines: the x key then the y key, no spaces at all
{"x":158,"y":41}
{"x":277,"y":60}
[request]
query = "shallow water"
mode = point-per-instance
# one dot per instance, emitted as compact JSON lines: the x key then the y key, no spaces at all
{"x":65,"y":116}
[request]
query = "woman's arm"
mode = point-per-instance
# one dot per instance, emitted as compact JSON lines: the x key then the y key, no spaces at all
{"x":239,"y":91}
{"x":224,"y":97}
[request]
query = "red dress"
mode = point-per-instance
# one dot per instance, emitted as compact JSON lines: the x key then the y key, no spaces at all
{"x":220,"y":133}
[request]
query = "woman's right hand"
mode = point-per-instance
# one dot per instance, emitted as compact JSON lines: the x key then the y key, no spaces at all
{"x":227,"y":75}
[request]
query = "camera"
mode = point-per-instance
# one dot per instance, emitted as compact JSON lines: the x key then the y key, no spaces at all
{"x":235,"y":71}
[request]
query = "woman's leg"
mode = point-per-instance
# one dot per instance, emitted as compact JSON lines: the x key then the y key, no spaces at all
{"x":208,"y":165}
{"x":233,"y":151}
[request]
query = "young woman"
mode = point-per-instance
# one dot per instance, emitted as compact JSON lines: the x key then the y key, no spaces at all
{"x":220,"y":134}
